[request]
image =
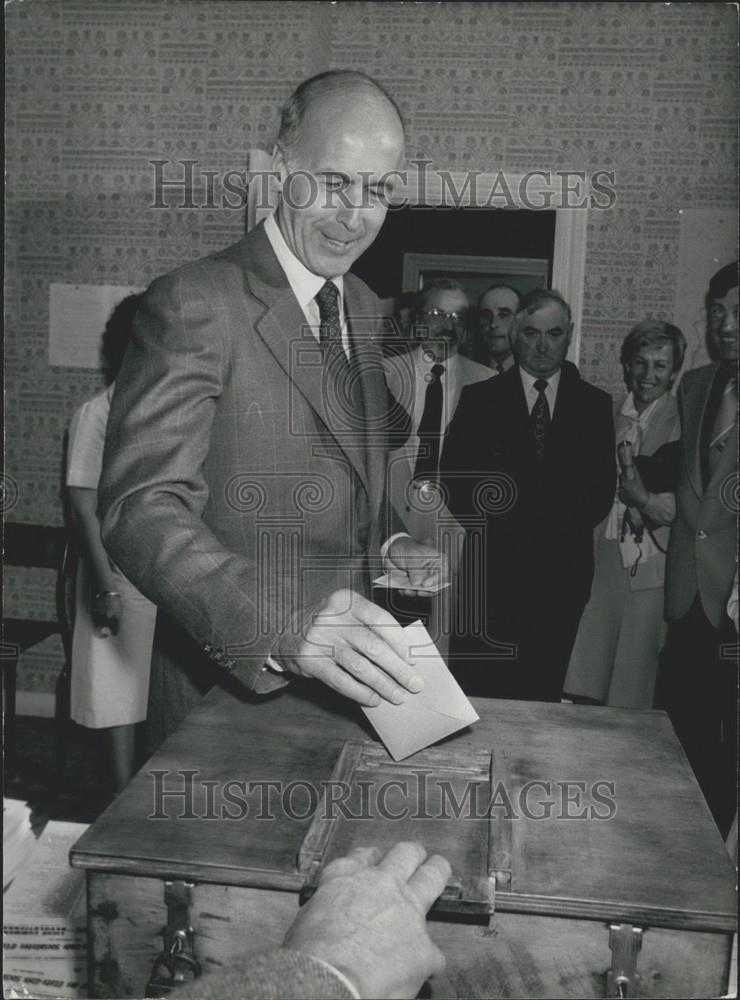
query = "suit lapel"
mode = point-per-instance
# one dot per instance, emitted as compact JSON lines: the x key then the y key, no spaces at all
{"x":566,"y":413}
{"x":518,"y":435}
{"x":282,"y":327}
{"x":695,"y":398}
{"x":368,"y":362}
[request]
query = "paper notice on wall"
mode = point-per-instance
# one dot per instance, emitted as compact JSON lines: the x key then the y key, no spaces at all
{"x":78,"y":315}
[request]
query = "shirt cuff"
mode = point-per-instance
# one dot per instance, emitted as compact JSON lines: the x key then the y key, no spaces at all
{"x":274,"y":665}
{"x":350,"y":986}
{"x":389,"y":541}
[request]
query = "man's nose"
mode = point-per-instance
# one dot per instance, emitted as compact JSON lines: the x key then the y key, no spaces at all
{"x":542,"y":344}
{"x":729,"y":323}
{"x":349,"y":215}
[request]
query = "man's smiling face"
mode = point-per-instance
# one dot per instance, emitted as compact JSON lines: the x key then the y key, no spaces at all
{"x":337,"y":177}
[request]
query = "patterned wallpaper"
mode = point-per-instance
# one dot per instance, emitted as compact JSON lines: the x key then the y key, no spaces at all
{"x":98,"y":88}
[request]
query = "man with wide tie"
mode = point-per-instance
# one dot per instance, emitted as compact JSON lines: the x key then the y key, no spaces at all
{"x":528,"y":468}
{"x":244,"y":480}
{"x":427,"y":382}
{"x":697,"y":675}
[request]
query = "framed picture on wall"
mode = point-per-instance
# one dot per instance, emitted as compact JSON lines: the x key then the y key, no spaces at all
{"x":474,"y":273}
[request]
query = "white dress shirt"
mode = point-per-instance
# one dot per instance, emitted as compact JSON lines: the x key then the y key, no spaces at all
{"x":531,"y":394}
{"x":304,"y":284}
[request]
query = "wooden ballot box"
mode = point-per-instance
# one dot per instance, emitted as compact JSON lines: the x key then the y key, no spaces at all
{"x":585,"y":861}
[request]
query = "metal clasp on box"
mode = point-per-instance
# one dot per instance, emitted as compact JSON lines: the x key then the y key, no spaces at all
{"x":176,"y":963}
{"x":622,"y":980}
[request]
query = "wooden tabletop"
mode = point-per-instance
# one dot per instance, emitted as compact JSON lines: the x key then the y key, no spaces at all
{"x":604,"y":816}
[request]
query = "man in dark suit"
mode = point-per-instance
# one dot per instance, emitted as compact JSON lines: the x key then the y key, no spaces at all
{"x":529,"y":469}
{"x":243,"y":482}
{"x":697,"y":676}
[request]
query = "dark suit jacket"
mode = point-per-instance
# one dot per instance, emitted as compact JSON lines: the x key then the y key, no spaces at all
{"x":537,"y":518}
{"x":240,"y":485}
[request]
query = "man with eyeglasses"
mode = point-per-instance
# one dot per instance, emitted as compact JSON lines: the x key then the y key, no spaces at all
{"x":427,"y":382}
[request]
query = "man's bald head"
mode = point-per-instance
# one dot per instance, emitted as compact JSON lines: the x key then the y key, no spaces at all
{"x":348,"y":84}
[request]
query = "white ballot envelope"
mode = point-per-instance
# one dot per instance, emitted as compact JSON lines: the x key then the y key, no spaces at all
{"x":397,"y":579}
{"x":439,"y":710}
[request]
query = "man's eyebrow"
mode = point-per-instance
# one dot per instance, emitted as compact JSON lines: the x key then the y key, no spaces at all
{"x":338,"y":174}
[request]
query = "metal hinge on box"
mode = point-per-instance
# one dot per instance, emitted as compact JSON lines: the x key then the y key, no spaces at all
{"x":176,"y":963}
{"x":622,"y":980}
{"x":439,"y":797}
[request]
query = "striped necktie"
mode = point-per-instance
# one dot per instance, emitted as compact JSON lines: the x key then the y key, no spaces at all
{"x":540,"y":418}
{"x":330,"y":329}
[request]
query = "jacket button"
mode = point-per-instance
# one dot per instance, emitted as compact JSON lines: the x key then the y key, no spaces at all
{"x":701,"y":533}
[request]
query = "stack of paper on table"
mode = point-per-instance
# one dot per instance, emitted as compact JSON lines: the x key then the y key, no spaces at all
{"x":18,"y":837}
{"x":44,"y":926}
{"x":439,"y":710}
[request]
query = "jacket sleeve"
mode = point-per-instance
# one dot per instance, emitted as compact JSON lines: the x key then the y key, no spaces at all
{"x":275,"y":975}
{"x":153,"y":492}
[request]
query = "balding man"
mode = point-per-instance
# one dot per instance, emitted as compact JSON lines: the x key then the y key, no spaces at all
{"x":243,"y":487}
{"x":497,"y":309}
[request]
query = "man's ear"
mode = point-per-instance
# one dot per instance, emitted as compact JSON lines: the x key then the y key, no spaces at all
{"x":279,"y":164}
{"x":570,"y":332}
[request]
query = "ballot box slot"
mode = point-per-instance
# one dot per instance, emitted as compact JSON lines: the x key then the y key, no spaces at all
{"x":439,"y":797}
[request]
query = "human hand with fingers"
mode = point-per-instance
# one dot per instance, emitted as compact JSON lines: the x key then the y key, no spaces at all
{"x":367,"y":919}
{"x":426,"y":567}
{"x":354,"y":647}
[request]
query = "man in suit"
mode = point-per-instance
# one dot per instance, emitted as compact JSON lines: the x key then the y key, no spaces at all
{"x":529,"y":469}
{"x":427,"y":382}
{"x":243,"y":482}
{"x":363,"y":934}
{"x":697,"y":677}
{"x":497,"y":309}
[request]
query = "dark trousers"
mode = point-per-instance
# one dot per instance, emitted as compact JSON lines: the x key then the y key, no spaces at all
{"x":697,"y":686}
{"x":524,"y":654}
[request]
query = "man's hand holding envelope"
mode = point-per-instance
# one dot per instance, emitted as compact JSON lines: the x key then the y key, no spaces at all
{"x":438,"y":710}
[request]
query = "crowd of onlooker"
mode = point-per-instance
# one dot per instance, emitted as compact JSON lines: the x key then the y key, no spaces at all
{"x":600,"y":535}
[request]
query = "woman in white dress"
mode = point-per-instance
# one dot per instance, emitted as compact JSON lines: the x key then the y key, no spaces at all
{"x":615,"y":656}
{"x":114,"y":623}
